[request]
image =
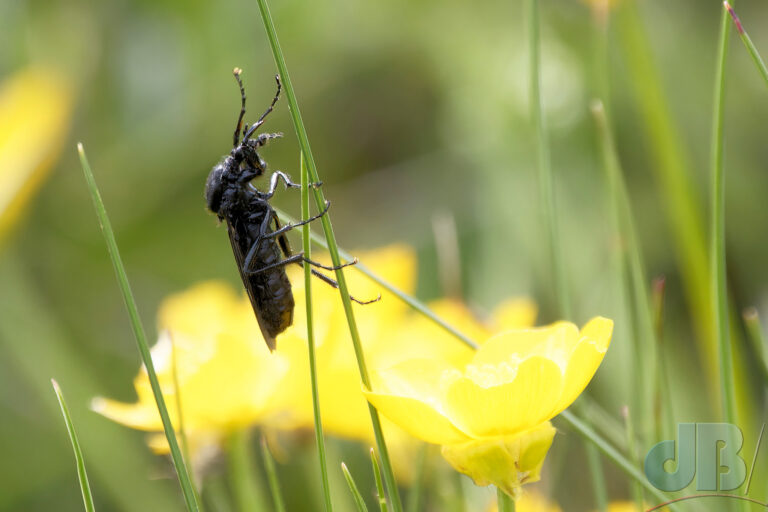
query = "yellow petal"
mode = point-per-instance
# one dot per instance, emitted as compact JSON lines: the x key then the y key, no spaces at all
{"x":139,"y":415}
{"x":551,"y":341}
{"x":585,"y":359}
{"x":410,"y":396}
{"x":506,"y":462}
{"x":501,"y":399}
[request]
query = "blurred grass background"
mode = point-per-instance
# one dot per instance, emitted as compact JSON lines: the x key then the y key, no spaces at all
{"x":415,"y":110}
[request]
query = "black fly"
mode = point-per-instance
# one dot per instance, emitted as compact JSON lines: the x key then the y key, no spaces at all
{"x":258,"y":240}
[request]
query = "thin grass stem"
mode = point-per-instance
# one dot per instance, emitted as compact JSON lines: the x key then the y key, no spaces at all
{"x":505,"y":502}
{"x":274,"y":482}
{"x":307,"y":247}
{"x":637,"y":490}
{"x":82,"y":476}
{"x":301,"y":133}
{"x":546,"y":185}
{"x":382,"y":498}
{"x":717,"y":230}
{"x":759,"y":64}
{"x":141,"y":338}
{"x":359,"y":501}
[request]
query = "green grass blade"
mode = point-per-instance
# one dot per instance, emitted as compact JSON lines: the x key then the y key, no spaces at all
{"x":359,"y":501}
{"x":274,"y":483}
{"x":141,"y":338}
{"x":85,"y":487}
{"x":319,"y":437}
{"x":544,"y":166}
{"x":759,"y":64}
{"x":637,"y":491}
{"x":670,"y":163}
{"x":717,"y":230}
{"x":246,"y":487}
{"x":301,"y":133}
{"x":379,"y":486}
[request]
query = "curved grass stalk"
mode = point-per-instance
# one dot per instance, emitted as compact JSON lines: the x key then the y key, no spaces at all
{"x":759,"y":64}
{"x":379,"y":487}
{"x":141,"y":338}
{"x":359,"y":501}
{"x":717,"y":230}
{"x":82,"y":476}
{"x":307,"y":247}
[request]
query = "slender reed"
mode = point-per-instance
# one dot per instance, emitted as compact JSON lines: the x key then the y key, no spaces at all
{"x":359,"y":501}
{"x":717,"y":230}
{"x":82,"y":476}
{"x":141,"y":338}
{"x":759,"y":64}
{"x":307,"y":247}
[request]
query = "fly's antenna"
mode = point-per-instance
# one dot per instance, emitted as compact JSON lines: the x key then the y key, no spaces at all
{"x":266,"y":112}
{"x":235,"y":138}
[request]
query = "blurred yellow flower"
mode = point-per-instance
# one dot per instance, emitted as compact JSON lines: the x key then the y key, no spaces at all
{"x":35,"y":111}
{"x":229,"y":380}
{"x":491,"y":413}
{"x":225,"y":373}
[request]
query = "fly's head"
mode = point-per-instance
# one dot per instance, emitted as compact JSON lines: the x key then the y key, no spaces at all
{"x":228,"y":179}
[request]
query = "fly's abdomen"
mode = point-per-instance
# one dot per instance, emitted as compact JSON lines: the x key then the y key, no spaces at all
{"x":274,"y":298}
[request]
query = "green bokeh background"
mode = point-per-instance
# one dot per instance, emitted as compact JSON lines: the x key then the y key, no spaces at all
{"x":416,"y":111}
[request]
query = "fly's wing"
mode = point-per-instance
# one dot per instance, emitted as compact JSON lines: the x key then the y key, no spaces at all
{"x":240,"y":246}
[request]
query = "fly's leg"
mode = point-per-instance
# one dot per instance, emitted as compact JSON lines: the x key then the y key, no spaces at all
{"x":296,"y":258}
{"x":300,"y":259}
{"x":280,"y":230}
{"x":334,"y":284}
{"x":288,"y":184}
{"x":326,"y":267}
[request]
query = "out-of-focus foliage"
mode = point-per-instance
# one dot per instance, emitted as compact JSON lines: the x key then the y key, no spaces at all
{"x":415,"y":110}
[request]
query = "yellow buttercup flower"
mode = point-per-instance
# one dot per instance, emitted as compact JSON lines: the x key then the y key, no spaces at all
{"x":35,"y":109}
{"x":226,"y":376}
{"x":390,"y":331}
{"x":491,"y":413}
